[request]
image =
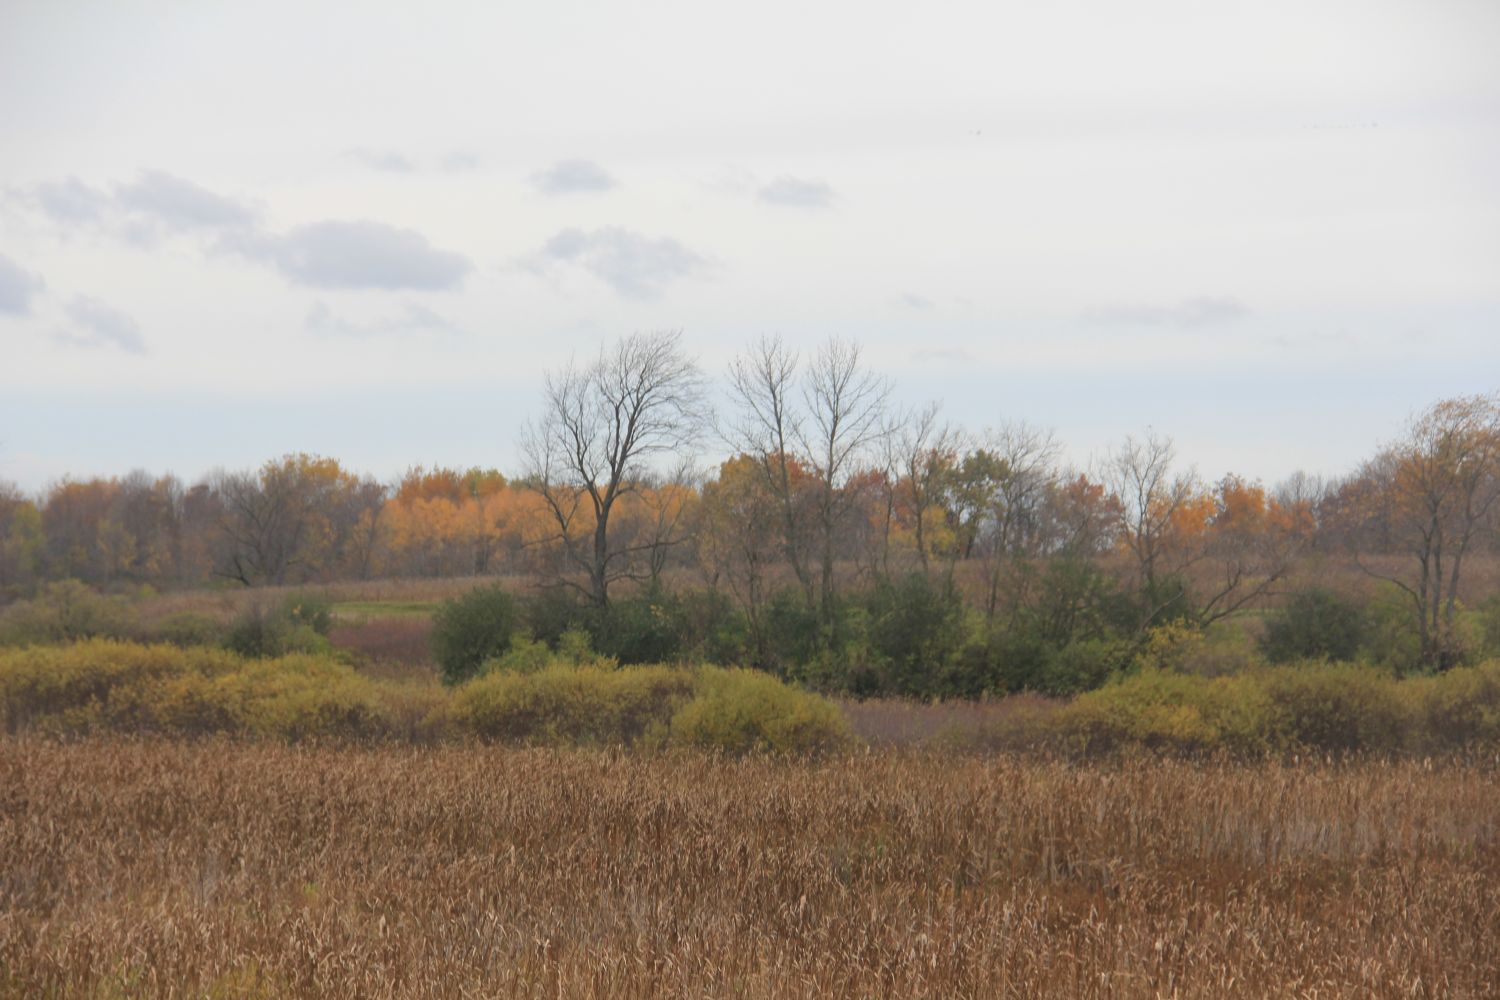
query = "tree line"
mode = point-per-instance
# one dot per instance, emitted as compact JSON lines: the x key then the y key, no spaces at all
{"x":829,"y":489}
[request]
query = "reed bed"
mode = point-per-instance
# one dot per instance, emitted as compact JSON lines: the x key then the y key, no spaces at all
{"x":155,"y":867}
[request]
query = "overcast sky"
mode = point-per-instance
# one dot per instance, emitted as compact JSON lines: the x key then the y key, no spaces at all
{"x":1268,"y":229}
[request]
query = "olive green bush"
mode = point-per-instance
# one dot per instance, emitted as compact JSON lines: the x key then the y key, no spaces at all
{"x":473,"y":628}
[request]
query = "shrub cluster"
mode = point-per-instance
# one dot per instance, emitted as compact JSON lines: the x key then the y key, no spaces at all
{"x":103,"y":684}
{"x":1310,"y":706}
{"x":298,"y":624}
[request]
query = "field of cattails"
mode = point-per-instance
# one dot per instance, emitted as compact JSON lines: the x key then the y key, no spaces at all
{"x":217,"y":868}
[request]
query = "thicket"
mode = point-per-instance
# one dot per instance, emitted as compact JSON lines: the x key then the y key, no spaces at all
{"x":103,"y":685}
{"x":1066,"y":629}
{"x":1317,"y":706}
{"x":1062,"y":629}
{"x":68,"y":611}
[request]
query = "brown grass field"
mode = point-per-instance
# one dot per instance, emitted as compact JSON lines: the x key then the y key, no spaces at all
{"x":222,"y":869}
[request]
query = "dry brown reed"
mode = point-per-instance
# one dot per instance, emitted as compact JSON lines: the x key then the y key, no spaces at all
{"x":171,"y":868}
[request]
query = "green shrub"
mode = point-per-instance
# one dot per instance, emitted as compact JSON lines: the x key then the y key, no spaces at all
{"x":1488,"y":626}
{"x":185,"y":628}
{"x":259,"y":631}
{"x":473,"y":628}
{"x":1081,"y":666}
{"x":1314,"y":624}
{"x":1015,"y":660}
{"x":643,"y":629}
{"x":793,"y":638}
{"x":574,"y":648}
{"x":915,"y":627}
{"x":65,"y":611}
{"x":525,"y":656}
{"x":313,"y":611}
{"x":1390,"y":632}
{"x":553,"y":611}
{"x":713,"y":629}
{"x":742,"y":710}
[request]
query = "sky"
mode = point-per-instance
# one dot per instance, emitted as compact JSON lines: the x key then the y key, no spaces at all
{"x":1269,"y":230}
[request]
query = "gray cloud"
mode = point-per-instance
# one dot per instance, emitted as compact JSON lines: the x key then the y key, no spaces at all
{"x":70,"y":201}
{"x":331,"y":254}
{"x":181,"y":204}
{"x":337,"y":254}
{"x":1189,"y":314}
{"x":911,"y":300}
{"x":634,"y":265}
{"x":17,"y":286}
{"x":100,"y":325}
{"x":794,"y":192}
{"x":386,"y":160}
{"x":573,"y":177}
{"x":413,"y":318}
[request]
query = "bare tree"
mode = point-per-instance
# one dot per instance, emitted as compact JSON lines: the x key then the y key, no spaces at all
{"x":845,"y":405}
{"x":602,"y":425}
{"x":767,"y":426}
{"x":1140,"y":474}
{"x":998,"y":495}
{"x":821,"y":432}
{"x":926,"y":451}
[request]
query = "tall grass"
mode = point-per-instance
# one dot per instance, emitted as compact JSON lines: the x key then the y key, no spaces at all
{"x":146,"y":867}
